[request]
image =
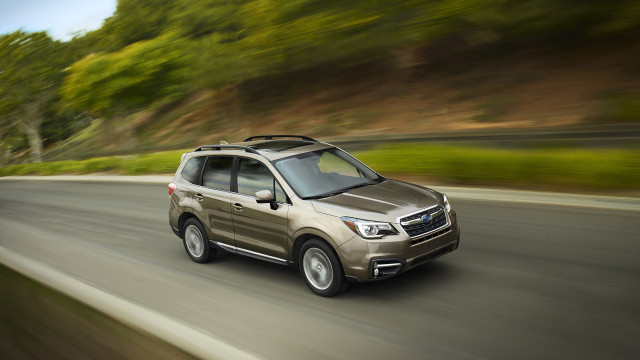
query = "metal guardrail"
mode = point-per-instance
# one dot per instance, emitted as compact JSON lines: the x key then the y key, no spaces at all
{"x":591,"y":132}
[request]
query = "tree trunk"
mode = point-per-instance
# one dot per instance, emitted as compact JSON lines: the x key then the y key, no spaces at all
{"x":5,"y":150}
{"x":35,"y":142}
{"x":30,"y":126}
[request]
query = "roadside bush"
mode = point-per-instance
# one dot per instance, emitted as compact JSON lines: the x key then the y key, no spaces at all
{"x":102,"y":164}
{"x":595,"y":169}
{"x":530,"y":168}
{"x":157,"y":163}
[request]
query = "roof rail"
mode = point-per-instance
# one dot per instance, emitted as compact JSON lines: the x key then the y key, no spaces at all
{"x":270,"y":137}
{"x":221,"y":147}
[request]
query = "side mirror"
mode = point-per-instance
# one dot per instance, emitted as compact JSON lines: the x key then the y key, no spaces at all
{"x":266,"y":196}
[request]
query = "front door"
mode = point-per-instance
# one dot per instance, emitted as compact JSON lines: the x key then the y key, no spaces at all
{"x":259,"y":230}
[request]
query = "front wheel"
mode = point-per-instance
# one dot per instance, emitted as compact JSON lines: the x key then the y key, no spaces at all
{"x":320,"y":268}
{"x":196,"y":242}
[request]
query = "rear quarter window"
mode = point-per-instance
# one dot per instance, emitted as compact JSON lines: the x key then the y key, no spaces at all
{"x":192,"y":170}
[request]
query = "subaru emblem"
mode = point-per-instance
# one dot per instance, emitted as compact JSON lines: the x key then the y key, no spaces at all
{"x":426,"y":218}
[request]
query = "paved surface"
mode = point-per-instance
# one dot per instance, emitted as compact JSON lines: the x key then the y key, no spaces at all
{"x":467,"y":193}
{"x":530,"y":281}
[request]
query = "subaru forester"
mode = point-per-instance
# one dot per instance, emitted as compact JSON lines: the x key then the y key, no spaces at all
{"x":295,"y":201}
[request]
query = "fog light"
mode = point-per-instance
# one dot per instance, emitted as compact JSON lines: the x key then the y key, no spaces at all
{"x":382,"y":268}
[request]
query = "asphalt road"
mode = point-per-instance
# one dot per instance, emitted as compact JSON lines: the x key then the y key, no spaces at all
{"x":529,"y":281}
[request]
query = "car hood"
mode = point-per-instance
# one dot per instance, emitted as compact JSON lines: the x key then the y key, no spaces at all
{"x":385,"y":201}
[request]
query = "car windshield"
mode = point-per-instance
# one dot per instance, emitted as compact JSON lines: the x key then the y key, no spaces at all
{"x":325,"y":173}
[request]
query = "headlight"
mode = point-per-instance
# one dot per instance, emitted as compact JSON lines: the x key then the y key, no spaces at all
{"x":369,"y":229}
{"x":446,"y":203}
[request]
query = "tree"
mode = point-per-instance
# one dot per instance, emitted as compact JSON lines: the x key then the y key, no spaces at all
{"x":135,"y":76}
{"x":136,"y":20}
{"x":205,"y":17}
{"x":31,"y":70}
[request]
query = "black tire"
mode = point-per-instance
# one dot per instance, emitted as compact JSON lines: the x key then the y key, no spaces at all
{"x":321,"y":269}
{"x":196,"y":242}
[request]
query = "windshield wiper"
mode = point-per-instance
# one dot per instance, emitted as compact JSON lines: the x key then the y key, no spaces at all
{"x":333,"y":193}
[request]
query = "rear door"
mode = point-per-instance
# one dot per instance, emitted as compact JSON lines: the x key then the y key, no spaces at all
{"x":259,"y":229}
{"x":214,"y":197}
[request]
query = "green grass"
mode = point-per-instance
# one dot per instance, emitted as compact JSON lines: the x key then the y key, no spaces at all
{"x":532,"y":168}
{"x":529,"y":168}
{"x":154,"y":163}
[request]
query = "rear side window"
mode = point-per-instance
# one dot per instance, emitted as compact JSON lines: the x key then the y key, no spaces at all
{"x":254,"y":176}
{"x":217,"y":172}
{"x":192,"y":170}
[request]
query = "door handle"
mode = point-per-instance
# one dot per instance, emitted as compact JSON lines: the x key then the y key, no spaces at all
{"x":199,"y":197}
{"x":237,"y":207}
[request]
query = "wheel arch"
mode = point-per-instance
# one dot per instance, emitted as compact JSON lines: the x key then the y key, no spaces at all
{"x":186,"y":215}
{"x":303,"y":236}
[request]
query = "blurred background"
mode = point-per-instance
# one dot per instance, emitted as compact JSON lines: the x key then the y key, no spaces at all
{"x":161,"y":75}
{"x":535,"y":94}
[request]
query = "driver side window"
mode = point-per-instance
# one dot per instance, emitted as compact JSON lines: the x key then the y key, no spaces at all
{"x":254,"y":176}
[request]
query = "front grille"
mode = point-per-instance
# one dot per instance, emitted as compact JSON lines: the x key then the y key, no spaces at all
{"x":425,"y":227}
{"x":422,"y":239}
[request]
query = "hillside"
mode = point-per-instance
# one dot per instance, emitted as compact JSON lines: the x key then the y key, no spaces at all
{"x":414,"y":89}
{"x":169,"y":74}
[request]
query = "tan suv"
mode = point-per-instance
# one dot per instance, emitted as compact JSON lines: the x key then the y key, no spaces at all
{"x":295,"y":201}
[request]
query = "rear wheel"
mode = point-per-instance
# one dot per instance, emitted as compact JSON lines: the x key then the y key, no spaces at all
{"x":196,"y":242}
{"x":320,"y":268}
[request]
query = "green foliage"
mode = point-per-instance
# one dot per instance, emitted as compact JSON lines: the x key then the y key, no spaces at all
{"x":592,"y":169}
{"x":101,"y":164}
{"x":30,"y":64}
{"x":155,"y":163}
{"x":205,"y":17}
{"x":163,"y":162}
{"x":31,"y":70}
{"x":95,"y":165}
{"x":135,"y":20}
{"x":151,"y":49}
{"x":284,"y":36}
{"x":223,"y":42}
{"x":536,"y":169}
{"x":128,"y":79}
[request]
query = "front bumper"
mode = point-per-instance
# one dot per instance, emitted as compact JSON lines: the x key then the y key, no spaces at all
{"x":393,"y":255}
